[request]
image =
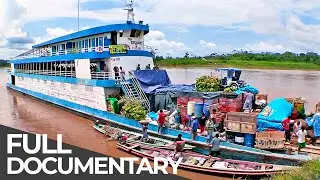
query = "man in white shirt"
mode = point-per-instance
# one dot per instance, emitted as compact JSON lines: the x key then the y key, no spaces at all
{"x":301,"y":138}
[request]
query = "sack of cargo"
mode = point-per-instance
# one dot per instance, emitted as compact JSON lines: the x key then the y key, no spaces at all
{"x":182,"y":101}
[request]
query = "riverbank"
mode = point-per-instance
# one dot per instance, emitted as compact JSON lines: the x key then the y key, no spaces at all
{"x":212,"y":63}
{"x":310,"y":170}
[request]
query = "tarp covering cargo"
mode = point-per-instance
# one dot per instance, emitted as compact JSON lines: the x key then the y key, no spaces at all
{"x":272,"y":116}
{"x":315,"y":123}
{"x":152,"y":79}
{"x":247,"y":88}
{"x":276,"y":111}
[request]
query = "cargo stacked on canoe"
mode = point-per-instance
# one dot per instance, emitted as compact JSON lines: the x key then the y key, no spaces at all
{"x":241,"y":122}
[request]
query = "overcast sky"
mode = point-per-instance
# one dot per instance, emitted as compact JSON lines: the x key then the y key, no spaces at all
{"x":176,"y":26}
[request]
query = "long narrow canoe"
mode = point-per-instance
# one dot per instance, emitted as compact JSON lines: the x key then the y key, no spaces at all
{"x":133,"y":137}
{"x":198,"y":162}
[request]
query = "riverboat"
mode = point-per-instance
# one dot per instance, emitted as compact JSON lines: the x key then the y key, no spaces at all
{"x":76,"y":72}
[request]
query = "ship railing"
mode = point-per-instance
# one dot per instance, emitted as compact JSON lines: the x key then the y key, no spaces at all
{"x":49,"y":72}
{"x":102,"y":75}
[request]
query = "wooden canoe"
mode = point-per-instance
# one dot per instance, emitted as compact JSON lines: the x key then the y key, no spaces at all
{"x":133,"y":137}
{"x":198,"y":162}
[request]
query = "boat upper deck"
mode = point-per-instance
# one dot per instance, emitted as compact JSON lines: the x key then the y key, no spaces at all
{"x":96,"y":31}
{"x":99,"y":42}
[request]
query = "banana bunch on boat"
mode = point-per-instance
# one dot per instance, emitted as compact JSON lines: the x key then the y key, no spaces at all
{"x":207,"y":84}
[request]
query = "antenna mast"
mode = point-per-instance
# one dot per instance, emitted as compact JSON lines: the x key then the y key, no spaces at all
{"x":130,"y":14}
{"x":78,"y":15}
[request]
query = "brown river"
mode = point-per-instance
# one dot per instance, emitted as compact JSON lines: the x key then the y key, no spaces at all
{"x":27,"y":114}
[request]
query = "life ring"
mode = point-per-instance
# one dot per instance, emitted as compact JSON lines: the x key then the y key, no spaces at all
{"x":99,"y":49}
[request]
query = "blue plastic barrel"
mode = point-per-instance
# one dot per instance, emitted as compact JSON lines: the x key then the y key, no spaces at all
{"x":206,"y":110}
{"x":198,"y":110}
{"x":249,"y":140}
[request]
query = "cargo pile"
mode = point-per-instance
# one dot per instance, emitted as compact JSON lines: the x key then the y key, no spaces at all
{"x":208,"y":84}
{"x":241,"y":122}
{"x":270,"y":140}
{"x":133,"y":109}
{"x":231,"y":104}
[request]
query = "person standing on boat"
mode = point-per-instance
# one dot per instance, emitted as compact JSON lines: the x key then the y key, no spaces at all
{"x":194,"y":126}
{"x":210,"y":128}
{"x":138,"y":67}
{"x":301,"y":138}
{"x":248,"y":102}
{"x":296,"y":127}
{"x":286,"y":127}
{"x":215,"y":146}
{"x":122,"y":73}
{"x":202,"y":123}
{"x":148,"y":67}
{"x":116,"y":72}
{"x":161,"y":120}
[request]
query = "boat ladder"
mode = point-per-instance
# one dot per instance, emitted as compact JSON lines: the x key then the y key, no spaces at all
{"x":132,"y":89}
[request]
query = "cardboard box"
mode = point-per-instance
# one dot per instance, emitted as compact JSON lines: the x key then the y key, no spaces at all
{"x":248,"y":128}
{"x":249,"y":117}
{"x":234,"y":116}
{"x":233,"y":126}
{"x":270,"y":140}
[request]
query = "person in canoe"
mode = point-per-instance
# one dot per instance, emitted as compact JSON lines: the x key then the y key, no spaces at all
{"x":215,"y":146}
{"x":179,"y":143}
{"x":144,"y":132}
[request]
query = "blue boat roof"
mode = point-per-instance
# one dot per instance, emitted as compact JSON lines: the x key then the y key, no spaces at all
{"x":94,"y":31}
{"x":228,"y":69}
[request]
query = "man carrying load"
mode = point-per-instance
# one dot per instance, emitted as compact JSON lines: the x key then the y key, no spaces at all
{"x":248,"y":103}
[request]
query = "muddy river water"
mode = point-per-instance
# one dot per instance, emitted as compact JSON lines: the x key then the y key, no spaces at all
{"x":27,"y":114}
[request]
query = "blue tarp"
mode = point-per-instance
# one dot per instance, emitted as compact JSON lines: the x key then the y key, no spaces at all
{"x":276,"y":111}
{"x":151,"y":80}
{"x":247,"y":88}
{"x":272,"y":116}
{"x":158,"y":82}
{"x":263,"y":125}
{"x":315,"y":122}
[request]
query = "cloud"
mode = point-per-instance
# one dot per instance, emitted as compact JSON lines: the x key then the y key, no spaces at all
{"x":157,"y":40}
{"x":205,"y":44}
{"x":265,"y":47}
{"x":279,"y":21}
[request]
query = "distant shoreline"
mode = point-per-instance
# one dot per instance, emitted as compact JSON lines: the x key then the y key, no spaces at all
{"x":259,"y":65}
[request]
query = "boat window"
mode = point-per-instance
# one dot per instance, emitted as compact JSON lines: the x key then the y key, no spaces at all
{"x":133,"y":33}
{"x":100,"y":41}
{"x":86,"y":43}
{"x":53,"y":49}
{"x":97,"y":42}
{"x":138,"y":33}
{"x":89,"y":43}
{"x":83,"y":44}
{"x":93,"y":42}
{"x":106,"y":41}
{"x":121,"y":34}
{"x":79,"y":44}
